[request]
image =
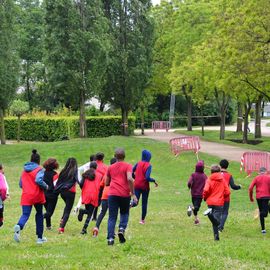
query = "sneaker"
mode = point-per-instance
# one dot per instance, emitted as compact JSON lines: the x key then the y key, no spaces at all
{"x":17,"y":230}
{"x":95,"y":232}
{"x":61,"y":230}
{"x":207,"y":211}
{"x":80,"y":215}
{"x":216,"y":237}
{"x":121,"y":235}
{"x":41,"y":240}
{"x":1,"y":223}
{"x":196,"y":221}
{"x":49,"y":228}
{"x":111,"y":242}
{"x":189,"y":210}
{"x":84,"y":231}
{"x":263,"y":231}
{"x":142,"y":221}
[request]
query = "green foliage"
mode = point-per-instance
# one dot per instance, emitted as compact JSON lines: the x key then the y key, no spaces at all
{"x":62,"y":128}
{"x":19,"y":107}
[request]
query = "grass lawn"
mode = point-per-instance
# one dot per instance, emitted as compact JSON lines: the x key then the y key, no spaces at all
{"x":168,"y":240}
{"x":213,"y":136}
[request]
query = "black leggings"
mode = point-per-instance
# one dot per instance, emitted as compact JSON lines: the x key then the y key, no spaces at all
{"x":1,"y":214}
{"x":215,"y":217}
{"x":264,"y":208}
{"x":104,"y":208}
{"x":51,"y":201}
{"x":68,"y":198}
{"x":196,"y":201}
{"x":89,"y":209}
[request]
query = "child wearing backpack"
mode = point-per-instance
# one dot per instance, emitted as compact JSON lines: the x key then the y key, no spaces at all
{"x":196,"y":184}
{"x":3,"y":193}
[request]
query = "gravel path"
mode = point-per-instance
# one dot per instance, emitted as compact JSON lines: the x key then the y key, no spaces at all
{"x":216,"y":149}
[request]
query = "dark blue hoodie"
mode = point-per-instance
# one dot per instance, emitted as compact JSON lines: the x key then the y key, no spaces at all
{"x":146,"y":156}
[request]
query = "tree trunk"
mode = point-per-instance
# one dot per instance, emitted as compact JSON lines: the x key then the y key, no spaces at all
{"x":102,"y":106}
{"x":245,"y":133}
{"x":189,"y":114}
{"x":262,"y":112}
{"x":19,"y":129}
{"x":258,"y":131}
{"x":124,"y":121}
{"x":83,"y":130}
{"x":2,"y":127}
{"x":142,"y":119}
{"x":222,"y":123}
{"x":202,"y":122}
{"x":239,"y":127}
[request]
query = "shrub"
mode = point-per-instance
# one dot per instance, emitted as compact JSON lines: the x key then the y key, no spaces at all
{"x":61,"y":128}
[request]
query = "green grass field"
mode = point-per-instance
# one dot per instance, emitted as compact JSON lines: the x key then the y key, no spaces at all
{"x":213,"y":136}
{"x":168,"y":240}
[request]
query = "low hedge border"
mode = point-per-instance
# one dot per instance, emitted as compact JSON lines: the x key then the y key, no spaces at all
{"x":63,"y":128}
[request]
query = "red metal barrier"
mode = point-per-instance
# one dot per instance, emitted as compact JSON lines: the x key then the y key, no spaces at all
{"x":161,"y":125}
{"x":253,"y":161}
{"x":185,"y":143}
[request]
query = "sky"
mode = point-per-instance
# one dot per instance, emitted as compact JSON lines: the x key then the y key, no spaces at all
{"x":155,"y":2}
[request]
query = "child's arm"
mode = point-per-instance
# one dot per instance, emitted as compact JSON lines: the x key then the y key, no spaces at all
{"x":233,"y":185}
{"x":39,"y":180}
{"x":190,"y":182}
{"x":6,"y":185}
{"x":206,"y":190}
{"x":251,"y":190}
{"x":134,"y":169}
{"x":148,"y":177}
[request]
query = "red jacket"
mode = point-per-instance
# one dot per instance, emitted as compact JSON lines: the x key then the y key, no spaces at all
{"x":227,"y":176}
{"x":31,"y":193}
{"x":215,"y":190}
{"x":262,"y":183}
{"x":140,"y":181}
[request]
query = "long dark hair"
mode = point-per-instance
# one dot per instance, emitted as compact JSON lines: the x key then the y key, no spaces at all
{"x":69,"y":171}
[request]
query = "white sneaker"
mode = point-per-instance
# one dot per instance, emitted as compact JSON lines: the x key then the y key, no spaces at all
{"x":41,"y":240}
{"x":17,"y":230}
{"x":263,"y":231}
{"x":207,"y":211}
{"x":189,"y":210}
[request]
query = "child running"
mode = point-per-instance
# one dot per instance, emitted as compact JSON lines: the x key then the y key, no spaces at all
{"x":50,"y":178}
{"x":214,"y":193}
{"x":90,"y":188}
{"x":66,"y":186}
{"x":141,"y":172}
{"x":33,"y":187}
{"x":196,"y":184}
{"x":224,"y":164}
{"x":104,"y":202}
{"x":262,"y":183}
{"x":3,"y":193}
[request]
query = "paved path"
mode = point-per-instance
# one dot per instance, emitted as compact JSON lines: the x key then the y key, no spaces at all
{"x":216,"y":149}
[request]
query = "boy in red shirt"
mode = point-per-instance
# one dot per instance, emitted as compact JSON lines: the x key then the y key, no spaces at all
{"x":119,"y":178}
{"x":214,"y":193}
{"x":262,"y":183}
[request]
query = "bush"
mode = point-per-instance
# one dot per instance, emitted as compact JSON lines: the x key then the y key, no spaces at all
{"x":61,"y":128}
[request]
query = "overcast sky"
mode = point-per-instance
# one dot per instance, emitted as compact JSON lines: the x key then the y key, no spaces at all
{"x":155,"y":2}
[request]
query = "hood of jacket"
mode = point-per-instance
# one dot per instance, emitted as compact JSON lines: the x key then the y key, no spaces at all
{"x":30,"y":166}
{"x":199,"y":166}
{"x":146,"y":155}
{"x":216,"y":177}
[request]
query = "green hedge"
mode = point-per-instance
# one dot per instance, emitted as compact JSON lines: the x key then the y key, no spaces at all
{"x":61,"y":128}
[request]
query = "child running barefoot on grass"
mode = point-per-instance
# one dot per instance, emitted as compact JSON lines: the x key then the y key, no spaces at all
{"x":196,"y":184}
{"x":104,"y":202}
{"x":262,"y":183}
{"x":90,"y":189}
{"x":33,"y":187}
{"x":142,"y":172}
{"x":224,"y":164}
{"x":214,"y":193}
{"x":3,"y":193}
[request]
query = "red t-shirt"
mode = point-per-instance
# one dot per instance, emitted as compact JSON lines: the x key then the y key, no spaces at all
{"x":119,"y":182}
{"x":262,"y":183}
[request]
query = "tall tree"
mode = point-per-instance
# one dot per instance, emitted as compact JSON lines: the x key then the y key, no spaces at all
{"x":77,"y":45}
{"x":8,"y":59}
{"x":129,"y":70}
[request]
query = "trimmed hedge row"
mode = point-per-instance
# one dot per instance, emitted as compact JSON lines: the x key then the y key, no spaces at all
{"x":62,"y":128}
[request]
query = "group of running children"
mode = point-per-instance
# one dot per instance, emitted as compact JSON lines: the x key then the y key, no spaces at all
{"x":42,"y":186}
